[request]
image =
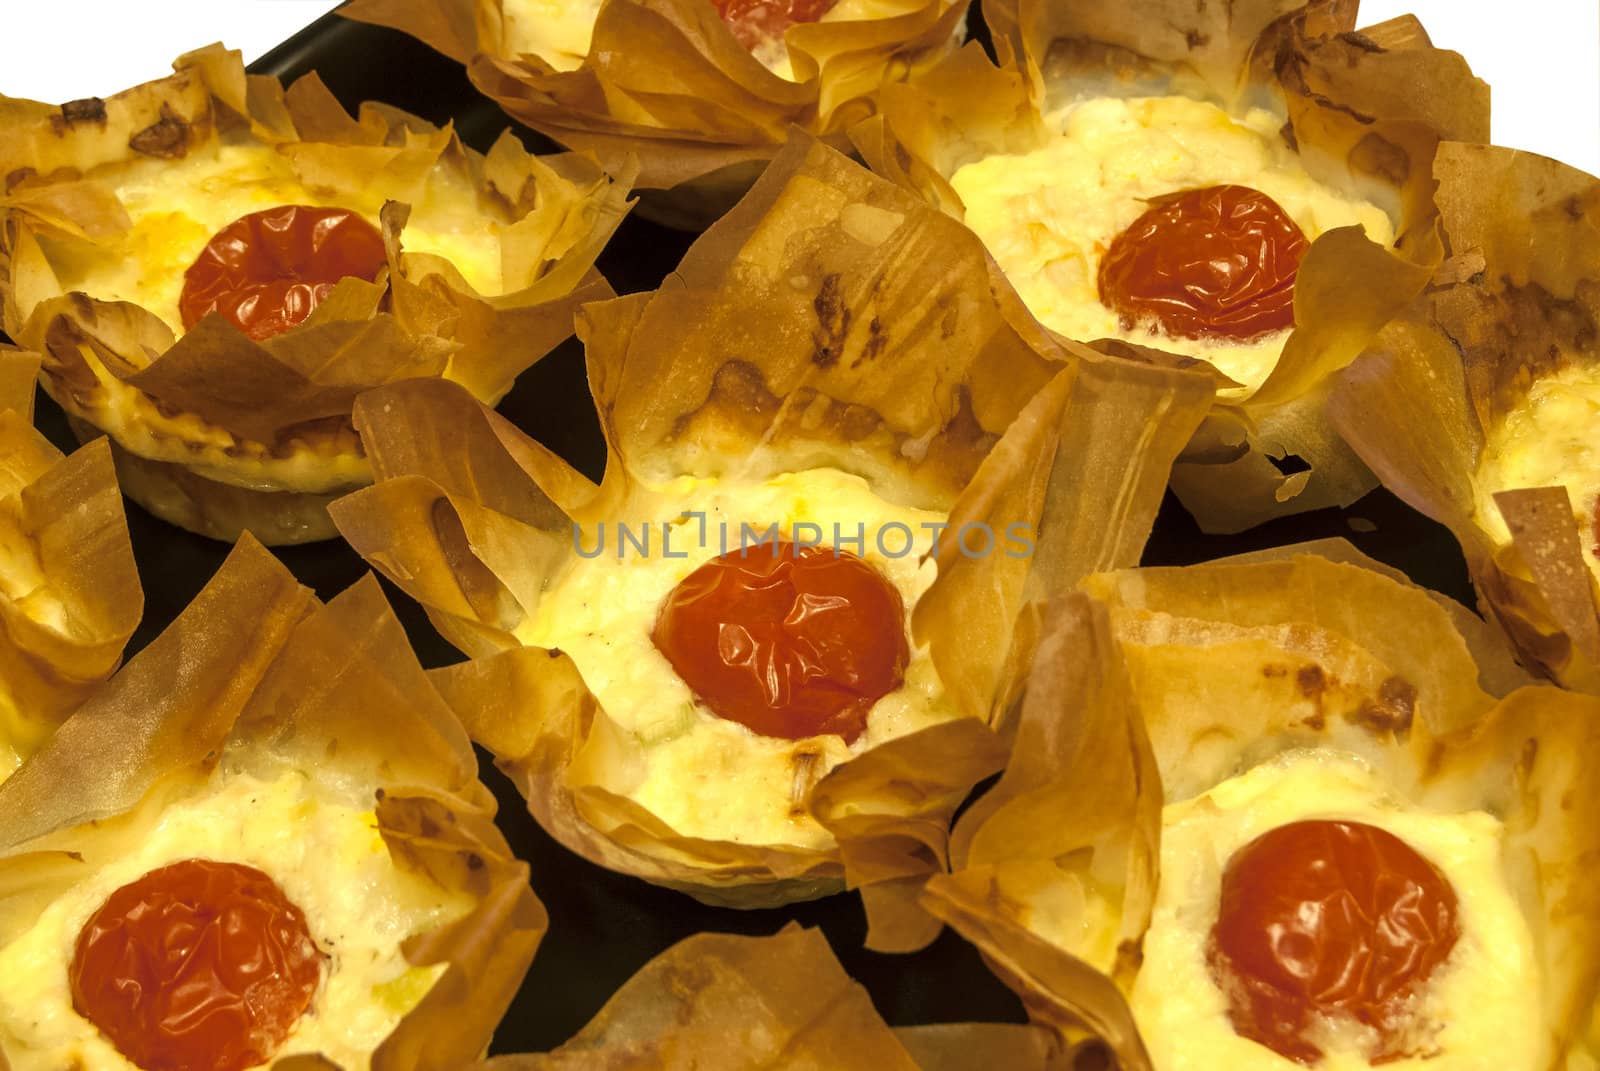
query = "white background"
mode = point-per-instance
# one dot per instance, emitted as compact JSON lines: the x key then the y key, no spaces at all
{"x":1542,"y":57}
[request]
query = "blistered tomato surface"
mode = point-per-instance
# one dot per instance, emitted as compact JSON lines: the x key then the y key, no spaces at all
{"x":788,"y":641}
{"x":1217,"y":262}
{"x":196,"y":966}
{"x":1340,"y":920}
{"x":754,"y":21}
{"x":267,"y":271}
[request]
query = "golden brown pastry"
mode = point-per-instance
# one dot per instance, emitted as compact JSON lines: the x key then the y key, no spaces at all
{"x":69,"y":590}
{"x":1243,"y":184}
{"x":214,"y":267}
{"x":1284,"y":813}
{"x":262,"y":839}
{"x":737,"y":1003}
{"x":761,"y":657}
{"x":702,"y":93}
{"x":1475,"y":408}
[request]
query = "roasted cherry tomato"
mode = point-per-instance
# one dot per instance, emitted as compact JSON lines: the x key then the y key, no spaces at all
{"x":1218,"y":262}
{"x":197,"y":966}
{"x":754,"y":21}
{"x":1330,"y":919}
{"x":788,"y":641}
{"x":266,"y":271}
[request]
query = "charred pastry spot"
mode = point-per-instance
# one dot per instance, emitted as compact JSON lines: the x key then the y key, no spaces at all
{"x":1375,"y":155}
{"x":87,"y":110}
{"x":166,"y":139}
{"x":474,"y":861}
{"x":951,"y":318}
{"x":1273,"y":670}
{"x":738,"y":395}
{"x":1343,"y":109}
{"x":855,"y":422}
{"x":876,"y":341}
{"x":1361,"y":41}
{"x":1316,"y":722}
{"x":833,"y":319}
{"x":1311,"y":681}
{"x":1530,"y":755}
{"x":1130,"y":955}
{"x":19,"y":176}
{"x":1194,"y":39}
{"x":1392,"y":711}
{"x":1574,"y":207}
{"x":1286,"y":132}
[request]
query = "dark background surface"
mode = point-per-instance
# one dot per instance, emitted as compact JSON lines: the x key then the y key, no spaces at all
{"x":604,"y":926}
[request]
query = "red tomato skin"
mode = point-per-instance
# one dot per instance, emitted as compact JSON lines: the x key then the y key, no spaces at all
{"x":1213,"y":263}
{"x":1335,"y":919}
{"x":196,"y":966}
{"x":788,"y":641}
{"x":753,"y":21}
{"x":266,"y":272}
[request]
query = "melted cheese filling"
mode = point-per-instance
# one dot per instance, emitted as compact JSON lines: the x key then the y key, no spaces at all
{"x":1482,"y":1003}
{"x":1547,"y":441}
{"x":559,"y":31}
{"x":176,"y":206}
{"x":702,"y":775}
{"x":1048,"y":216}
{"x":329,"y":859}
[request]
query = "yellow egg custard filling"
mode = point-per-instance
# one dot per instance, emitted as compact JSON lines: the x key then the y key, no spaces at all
{"x":702,"y":774}
{"x":174,"y":207}
{"x":1050,"y":215}
{"x":1479,"y":1008}
{"x":321,"y":846}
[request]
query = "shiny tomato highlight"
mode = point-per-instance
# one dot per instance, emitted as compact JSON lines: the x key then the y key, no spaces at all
{"x":1333,"y":919}
{"x":266,"y":271}
{"x":1218,"y":262}
{"x":197,"y":966}
{"x":787,"y":641}
{"x":754,"y":21}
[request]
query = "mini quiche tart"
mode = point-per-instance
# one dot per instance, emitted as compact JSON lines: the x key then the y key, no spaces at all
{"x":766,"y":648}
{"x":264,"y":838}
{"x":1474,"y":409}
{"x":748,"y":1003}
{"x":214,"y":268}
{"x":1244,"y":187}
{"x":1269,"y":815}
{"x":702,"y":93}
{"x":69,"y":591}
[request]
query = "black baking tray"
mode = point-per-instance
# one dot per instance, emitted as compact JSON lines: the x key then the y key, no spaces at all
{"x":604,"y":926}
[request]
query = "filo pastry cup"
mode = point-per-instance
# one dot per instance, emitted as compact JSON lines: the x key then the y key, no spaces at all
{"x":69,"y":590}
{"x":1153,"y":687}
{"x":1508,"y":324}
{"x":258,"y":693}
{"x":107,"y":202}
{"x":667,"y":83}
{"x":1360,"y":112}
{"x":735,"y":1003}
{"x":834,"y":324}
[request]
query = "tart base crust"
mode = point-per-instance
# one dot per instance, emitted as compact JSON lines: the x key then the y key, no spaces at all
{"x":216,"y":510}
